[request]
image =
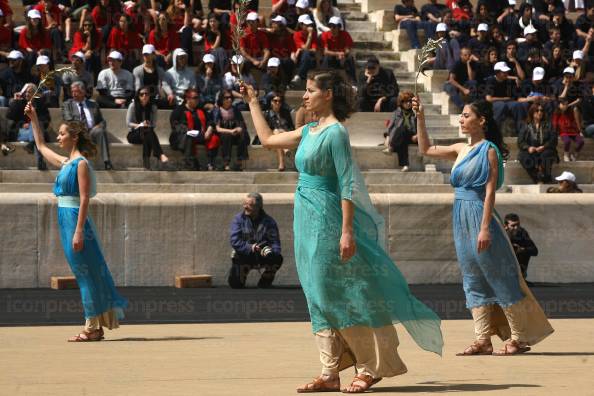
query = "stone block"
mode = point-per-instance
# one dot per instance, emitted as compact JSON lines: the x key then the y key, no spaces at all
{"x":193,"y":281}
{"x":63,"y":282}
{"x":383,"y":19}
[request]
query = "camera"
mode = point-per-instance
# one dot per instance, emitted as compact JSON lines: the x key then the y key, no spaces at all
{"x":265,"y":250}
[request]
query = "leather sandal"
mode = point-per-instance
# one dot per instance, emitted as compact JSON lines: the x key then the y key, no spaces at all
{"x":511,"y":348}
{"x":477,"y":348}
{"x":319,"y":385}
{"x":87,"y":336}
{"x":367,"y":379}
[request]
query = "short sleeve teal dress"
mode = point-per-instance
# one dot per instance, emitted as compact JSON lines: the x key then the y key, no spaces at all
{"x":368,"y":290}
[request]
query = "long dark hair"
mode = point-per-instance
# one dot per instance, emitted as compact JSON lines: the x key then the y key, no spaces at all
{"x":344,"y":96}
{"x":482,"y":108}
{"x":143,"y":112}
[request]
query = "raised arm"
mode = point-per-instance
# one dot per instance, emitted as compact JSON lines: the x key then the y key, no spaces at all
{"x":425,"y":148}
{"x":51,"y":156}
{"x":282,"y":140}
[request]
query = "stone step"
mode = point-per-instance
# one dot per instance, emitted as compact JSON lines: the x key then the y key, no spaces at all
{"x":367,"y":36}
{"x":587,"y":153}
{"x":365,"y":26}
{"x":173,"y":188}
{"x":354,"y":16}
{"x":215,"y":180}
{"x":363,"y":54}
{"x":372,"y":45}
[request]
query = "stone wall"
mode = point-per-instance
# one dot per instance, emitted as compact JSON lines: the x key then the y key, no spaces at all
{"x":150,"y":238}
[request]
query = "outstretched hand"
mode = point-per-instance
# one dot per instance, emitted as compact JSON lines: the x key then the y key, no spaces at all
{"x":417,"y":106}
{"x":30,"y":111}
{"x":250,"y":95}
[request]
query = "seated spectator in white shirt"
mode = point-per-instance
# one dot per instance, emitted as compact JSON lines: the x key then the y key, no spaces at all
{"x":115,"y":85}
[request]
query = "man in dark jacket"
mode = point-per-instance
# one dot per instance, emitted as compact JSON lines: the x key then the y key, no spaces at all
{"x":524,"y":247}
{"x":378,"y":88}
{"x":256,"y":244}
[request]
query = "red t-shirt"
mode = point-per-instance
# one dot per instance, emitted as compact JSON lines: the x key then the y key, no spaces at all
{"x":565,"y":123}
{"x":109,"y":17}
{"x":123,"y":42}
{"x":166,"y":44}
{"x":281,"y":46}
{"x":79,"y":41}
{"x":339,"y":43}
{"x":283,"y":9}
{"x":55,"y":12}
{"x":5,"y":36}
{"x":254,"y":43}
{"x":300,"y":38}
{"x":36,"y":43}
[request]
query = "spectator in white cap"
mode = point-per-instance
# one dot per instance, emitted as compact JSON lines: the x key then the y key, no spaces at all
{"x":209,"y":82}
{"x":537,"y":90}
{"x":336,"y":46}
{"x":180,"y":77}
{"x":569,"y":90}
{"x":89,"y":41}
{"x":50,"y":91}
{"x":151,"y":76}
{"x":579,"y":64}
{"x":529,"y":45}
{"x":216,"y":39}
{"x":537,"y":142}
{"x":33,"y":37}
{"x":322,"y":14}
{"x":502,"y":91}
{"x":407,"y":17}
{"x":79,"y":74}
{"x":449,"y":53}
{"x":515,"y":22}
{"x":13,"y":77}
{"x":302,"y":7}
{"x":254,"y":44}
{"x":115,"y":84}
{"x":480,"y":44}
{"x":124,"y":39}
{"x":306,"y":44}
{"x":567,"y":184}
{"x":282,"y":47}
{"x":274,"y":79}
{"x":232,"y":77}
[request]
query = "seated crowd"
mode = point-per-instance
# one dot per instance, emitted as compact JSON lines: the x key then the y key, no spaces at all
{"x":528,"y":59}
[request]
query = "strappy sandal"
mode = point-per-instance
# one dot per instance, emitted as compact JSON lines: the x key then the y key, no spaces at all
{"x":319,"y":385}
{"x":368,"y":379}
{"x":87,"y":336}
{"x":477,"y":349}
{"x":512,"y":348}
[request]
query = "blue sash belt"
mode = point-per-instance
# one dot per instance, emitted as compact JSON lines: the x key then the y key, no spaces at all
{"x":466,"y":194}
{"x":318,"y":182}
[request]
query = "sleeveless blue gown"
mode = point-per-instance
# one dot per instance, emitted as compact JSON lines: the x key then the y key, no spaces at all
{"x":367,"y":290}
{"x":97,"y":289}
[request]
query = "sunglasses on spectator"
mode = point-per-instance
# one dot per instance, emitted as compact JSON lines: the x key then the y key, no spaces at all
{"x":143,"y":94}
{"x":276,"y":100}
{"x":192,"y":97}
{"x":538,"y":110}
{"x":227,"y":97}
{"x":87,"y":24}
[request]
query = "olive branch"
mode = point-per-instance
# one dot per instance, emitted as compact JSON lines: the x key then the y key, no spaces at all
{"x":238,"y":31}
{"x":49,"y":79}
{"x":425,"y":54}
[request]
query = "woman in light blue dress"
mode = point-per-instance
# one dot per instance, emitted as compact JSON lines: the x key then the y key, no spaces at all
{"x":75,"y":185}
{"x":500,"y":302}
{"x":354,"y":291}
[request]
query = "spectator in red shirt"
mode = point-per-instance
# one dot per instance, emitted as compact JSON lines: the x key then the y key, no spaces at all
{"x":126,"y":41}
{"x":5,"y":37}
{"x":33,"y":37}
{"x":282,"y":46}
{"x":54,"y":21}
{"x":306,"y":44}
{"x":216,"y":42}
{"x":105,"y":15}
{"x":337,"y":46}
{"x":165,"y":39}
{"x":88,"y":41}
{"x":254,"y":44}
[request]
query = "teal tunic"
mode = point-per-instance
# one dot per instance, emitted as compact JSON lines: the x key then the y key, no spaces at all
{"x":368,"y":290}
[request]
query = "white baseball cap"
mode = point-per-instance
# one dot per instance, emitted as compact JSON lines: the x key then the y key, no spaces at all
{"x":180,"y":52}
{"x":237,"y":59}
{"x":279,"y":19}
{"x":305,"y":19}
{"x":208,"y":58}
{"x":569,"y":70}
{"x":148,"y":49}
{"x":511,"y":2}
{"x":252,"y":16}
{"x":302,"y":4}
{"x":441,"y":27}
{"x":529,"y":30}
{"x":290,"y":2}
{"x":482,"y":27}
{"x":335,"y":21}
{"x":578,"y":54}
{"x":42,"y":60}
{"x":115,"y":55}
{"x":78,"y":54}
{"x":1,"y":13}
{"x":566,"y":176}
{"x":538,"y":73}
{"x":14,"y":54}
{"x":273,"y":62}
{"x":501,"y":66}
{"x":34,"y":14}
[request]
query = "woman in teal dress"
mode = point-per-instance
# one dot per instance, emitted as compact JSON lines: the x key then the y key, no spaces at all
{"x":354,"y":291}
{"x":75,"y":185}
{"x":496,"y":293}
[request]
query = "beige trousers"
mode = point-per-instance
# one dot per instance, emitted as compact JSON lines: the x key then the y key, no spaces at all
{"x":107,"y":319}
{"x":517,"y":316}
{"x":373,"y":351}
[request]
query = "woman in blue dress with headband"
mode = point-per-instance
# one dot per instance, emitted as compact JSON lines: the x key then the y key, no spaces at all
{"x":496,"y":294}
{"x":74,"y":186}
